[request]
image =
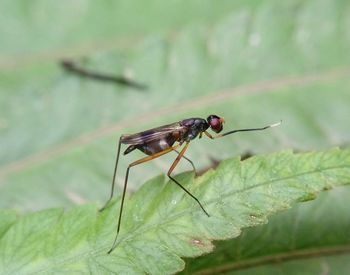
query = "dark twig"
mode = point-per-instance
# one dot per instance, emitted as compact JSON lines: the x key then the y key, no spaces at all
{"x":70,"y":66}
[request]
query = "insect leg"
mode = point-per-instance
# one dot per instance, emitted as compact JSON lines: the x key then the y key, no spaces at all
{"x":140,"y":161}
{"x":176,"y":161}
{"x":114,"y":174}
{"x":190,"y":161}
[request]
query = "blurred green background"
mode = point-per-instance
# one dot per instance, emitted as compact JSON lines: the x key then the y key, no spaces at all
{"x":252,"y":62}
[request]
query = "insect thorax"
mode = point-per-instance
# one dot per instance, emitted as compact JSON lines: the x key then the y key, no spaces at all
{"x":195,"y":127}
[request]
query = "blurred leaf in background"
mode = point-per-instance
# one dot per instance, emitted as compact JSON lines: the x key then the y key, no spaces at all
{"x":252,"y":62}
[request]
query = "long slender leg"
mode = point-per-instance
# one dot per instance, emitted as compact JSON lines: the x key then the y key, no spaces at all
{"x":140,"y":161}
{"x":114,"y":174}
{"x":190,"y":161}
{"x":176,"y":161}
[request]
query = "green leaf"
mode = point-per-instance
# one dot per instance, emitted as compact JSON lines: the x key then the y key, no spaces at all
{"x":161,"y":223}
{"x":88,"y":25}
{"x":252,"y":62}
{"x":311,"y":238}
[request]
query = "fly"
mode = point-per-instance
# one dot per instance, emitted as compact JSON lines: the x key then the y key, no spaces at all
{"x":160,"y":141}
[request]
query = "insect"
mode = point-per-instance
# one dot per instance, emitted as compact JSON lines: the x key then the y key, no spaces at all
{"x":160,"y":141}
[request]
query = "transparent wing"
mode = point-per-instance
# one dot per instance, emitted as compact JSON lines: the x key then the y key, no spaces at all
{"x":152,"y":134}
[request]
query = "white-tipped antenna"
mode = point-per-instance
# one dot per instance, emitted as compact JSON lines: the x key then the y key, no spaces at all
{"x":276,"y":124}
{"x":248,"y":130}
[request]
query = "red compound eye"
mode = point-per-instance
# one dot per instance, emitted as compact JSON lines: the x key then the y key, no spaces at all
{"x":215,"y":123}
